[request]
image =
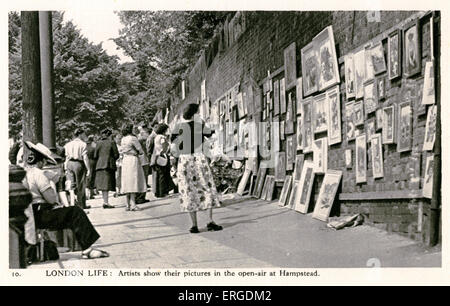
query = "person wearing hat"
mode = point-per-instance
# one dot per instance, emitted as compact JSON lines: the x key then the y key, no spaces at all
{"x":47,"y":212}
{"x":77,"y":166}
{"x":106,"y":154}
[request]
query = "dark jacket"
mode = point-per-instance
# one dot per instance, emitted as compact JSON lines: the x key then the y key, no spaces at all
{"x":106,"y":154}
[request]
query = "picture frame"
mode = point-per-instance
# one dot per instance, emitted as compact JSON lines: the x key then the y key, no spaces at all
{"x":280,"y":166}
{"x":427,"y":189}
{"x":370,"y":102}
{"x":369,"y":71}
{"x":299,"y":95}
{"x":377,"y":156}
{"x":260,"y":178}
{"x":285,"y":190}
{"x":299,"y":133}
{"x":282,"y":96}
{"x":412,"y":63}
{"x":360,"y":72}
{"x":270,"y":188}
{"x":243,"y":182}
{"x":320,"y":155}
{"x":428,"y":97}
{"x":302,"y":194}
{"x":349,"y":120}
{"x":275,"y":135}
{"x":290,"y":66}
{"x":276,"y":97}
{"x":358,"y":113}
{"x":334,"y":111}
{"x":395,"y":54}
{"x":377,"y":57}
{"x":348,"y":158}
{"x":326,"y":52}
{"x":430,"y":129}
{"x":307,"y":128}
{"x":389,"y":125}
{"x":292,"y":202}
{"x":240,"y":104}
{"x":379,"y":119}
{"x":404,"y":137}
{"x":290,"y":152}
{"x":310,"y":69}
{"x":381,"y":88}
{"x":370,"y":128}
{"x":327,"y":195}
{"x":349,"y":76}
{"x":361,"y":159}
{"x":320,"y":114}
{"x":264,"y":193}
{"x":282,"y":129}
{"x":289,"y":115}
{"x":299,"y":160}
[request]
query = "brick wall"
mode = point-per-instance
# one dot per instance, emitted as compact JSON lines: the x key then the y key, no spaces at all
{"x":260,"y":48}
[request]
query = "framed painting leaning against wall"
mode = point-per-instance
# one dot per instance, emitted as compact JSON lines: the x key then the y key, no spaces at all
{"x":327,"y":194}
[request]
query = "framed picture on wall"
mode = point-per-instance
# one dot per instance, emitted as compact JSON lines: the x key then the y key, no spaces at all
{"x":377,"y":156}
{"x":349,"y":120}
{"x":334,"y":110}
{"x":361,"y":159}
{"x":240,"y":103}
{"x":404,"y":137}
{"x":388,"y":125}
{"x":427,"y":189}
{"x":394,"y":54}
{"x":379,"y":119}
{"x":280,"y":166}
{"x":320,"y":113}
{"x":290,"y":152}
{"x":370,"y":128}
{"x":310,"y":69}
{"x":285,"y":191}
{"x":381,"y":89}
{"x":282,"y":128}
{"x":411,"y":46}
{"x":360,"y":72}
{"x":299,"y":95}
{"x":428,"y":85}
{"x":290,"y":66}
{"x":302,"y":195}
{"x":320,"y":155}
{"x":378,"y":61}
{"x":358,"y":113}
{"x":275,"y":135}
{"x":370,"y":102}
{"x":300,"y":158}
{"x":282,"y":96}
{"x":369,"y":72}
{"x":299,"y":133}
{"x":307,"y":129}
{"x":349,"y":76}
{"x":276,"y":97}
{"x":430,"y":129}
{"x":348,"y":158}
{"x":327,"y":194}
{"x":292,"y":196}
{"x":290,"y":115}
{"x":326,"y":51}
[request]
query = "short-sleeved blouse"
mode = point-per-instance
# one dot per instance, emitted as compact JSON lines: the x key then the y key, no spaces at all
{"x":190,"y":135}
{"x":130,"y":145}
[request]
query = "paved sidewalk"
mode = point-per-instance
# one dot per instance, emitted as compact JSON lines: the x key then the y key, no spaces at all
{"x":256,"y":234}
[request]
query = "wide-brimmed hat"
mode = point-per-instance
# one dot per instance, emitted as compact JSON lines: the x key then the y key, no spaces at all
{"x":43,"y":150}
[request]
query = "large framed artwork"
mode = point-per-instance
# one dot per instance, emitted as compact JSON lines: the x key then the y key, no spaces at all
{"x":299,"y":133}
{"x":349,"y":76}
{"x":360,"y":72}
{"x":389,"y":124}
{"x":299,"y":95}
{"x":243,"y":183}
{"x":349,"y":121}
{"x":282,"y":96}
{"x":394,"y":54}
{"x":290,"y":152}
{"x":427,"y":189}
{"x":307,"y":125}
{"x":319,"y":113}
{"x":327,"y":194}
{"x":310,"y":69}
{"x":411,"y":46}
{"x":290,"y":116}
{"x":320,"y":155}
{"x":378,"y":61}
{"x":361,"y":159}
{"x":260,"y":178}
{"x":334,"y":111}
{"x":293,"y":195}
{"x":303,"y":193}
{"x":285,"y":191}
{"x":404,"y":137}
{"x":328,"y":68}
{"x":370,"y":102}
{"x":377,"y":156}
{"x":369,"y":72}
{"x":358,"y":113}
{"x":430,"y":129}
{"x":428,"y":85}
{"x":276,"y":97}
{"x":280,"y":166}
{"x":290,"y":66}
{"x":300,"y":158}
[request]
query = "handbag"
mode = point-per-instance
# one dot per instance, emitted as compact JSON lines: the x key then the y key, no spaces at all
{"x":161,"y":160}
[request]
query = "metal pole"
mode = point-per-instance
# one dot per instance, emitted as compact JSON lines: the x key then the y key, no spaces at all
{"x":48,"y":106}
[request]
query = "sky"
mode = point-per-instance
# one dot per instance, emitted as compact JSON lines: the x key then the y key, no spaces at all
{"x":99,"y":26}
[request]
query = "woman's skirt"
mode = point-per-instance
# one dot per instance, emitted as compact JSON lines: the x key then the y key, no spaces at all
{"x":163,"y":180}
{"x":133,"y":178}
{"x":195,"y":183}
{"x":105,"y":180}
{"x":91,"y":179}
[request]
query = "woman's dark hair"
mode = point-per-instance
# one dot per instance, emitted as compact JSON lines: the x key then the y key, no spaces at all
{"x":34,"y":157}
{"x":106,"y":132}
{"x":161,"y":128}
{"x":190,"y":111}
{"x":127,"y":129}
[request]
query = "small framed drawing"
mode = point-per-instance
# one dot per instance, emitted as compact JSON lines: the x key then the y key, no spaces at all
{"x":310,"y":69}
{"x":270,"y":189}
{"x":389,"y":124}
{"x":289,"y":116}
{"x":348,"y":158}
{"x":319,"y":113}
{"x":276,"y":97}
{"x":307,"y":125}
{"x":379,"y":119}
{"x":377,"y":156}
{"x":290,"y":66}
{"x":349,"y":120}
{"x":280,"y":166}
{"x":299,"y":134}
{"x":378,"y":61}
{"x":282,"y":97}
{"x":360,"y":72}
{"x":404,"y":137}
{"x":370,"y":128}
{"x":290,"y":152}
{"x":260,"y":178}
{"x":285,"y":191}
{"x":291,"y":202}
{"x":243,"y":182}
{"x":327,"y":194}
{"x":370,"y":102}
{"x":298,"y":166}
{"x":427,"y":189}
{"x":381,"y":89}
{"x":275,"y":141}
{"x":394,"y":54}
{"x":265,"y":187}
{"x":349,"y":76}
{"x":430,"y":129}
{"x":326,"y":50}
{"x":358,"y":113}
{"x":428,"y":85}
{"x":303,"y":193}
{"x":334,"y":111}
{"x":361,"y":159}
{"x":299,"y":95}
{"x":282,"y":129}
{"x":369,"y":72}
{"x":320,"y":155}
{"x":411,"y":46}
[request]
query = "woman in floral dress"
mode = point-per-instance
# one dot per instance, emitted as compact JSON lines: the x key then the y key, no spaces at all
{"x":195,"y":181}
